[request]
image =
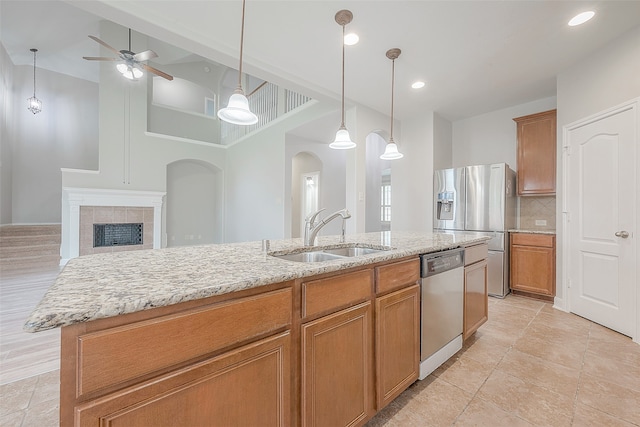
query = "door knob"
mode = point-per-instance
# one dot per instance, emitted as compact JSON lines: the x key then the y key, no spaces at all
{"x":622,"y":234}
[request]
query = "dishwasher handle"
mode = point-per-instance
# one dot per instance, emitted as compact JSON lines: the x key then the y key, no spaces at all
{"x":440,"y":262}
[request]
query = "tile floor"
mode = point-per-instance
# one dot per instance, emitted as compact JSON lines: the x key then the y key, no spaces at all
{"x":528,"y":365}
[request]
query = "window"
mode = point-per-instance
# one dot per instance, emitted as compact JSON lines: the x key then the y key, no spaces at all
{"x":385,"y":201}
{"x":209,"y":107}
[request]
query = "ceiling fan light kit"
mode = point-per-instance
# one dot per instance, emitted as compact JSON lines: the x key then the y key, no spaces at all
{"x":391,"y":150}
{"x":34,"y":104}
{"x":343,"y":140}
{"x":129,"y":71}
{"x":237,"y":111}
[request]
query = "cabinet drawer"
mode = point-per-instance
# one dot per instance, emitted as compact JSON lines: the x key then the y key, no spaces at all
{"x":332,"y":293}
{"x":156,"y":344}
{"x":475,"y":253}
{"x":529,"y":239}
{"x":393,"y":276}
{"x":205,"y":393}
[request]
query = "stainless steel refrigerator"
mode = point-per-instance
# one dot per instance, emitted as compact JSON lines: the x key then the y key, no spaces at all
{"x":480,"y":199}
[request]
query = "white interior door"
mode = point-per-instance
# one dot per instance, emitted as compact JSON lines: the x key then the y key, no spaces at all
{"x":601,"y":195}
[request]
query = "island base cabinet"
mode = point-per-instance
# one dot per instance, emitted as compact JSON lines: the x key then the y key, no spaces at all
{"x":246,"y":386}
{"x":397,"y":343}
{"x":476,"y":304}
{"x":337,"y":368}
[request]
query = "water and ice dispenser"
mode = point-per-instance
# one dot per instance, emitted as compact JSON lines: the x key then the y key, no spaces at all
{"x":444,"y":209}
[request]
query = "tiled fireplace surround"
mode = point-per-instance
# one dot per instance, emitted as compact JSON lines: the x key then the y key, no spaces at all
{"x":83,"y":207}
{"x":90,"y":215}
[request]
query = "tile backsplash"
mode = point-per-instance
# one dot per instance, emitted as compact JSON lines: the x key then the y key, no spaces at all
{"x":537,"y":208}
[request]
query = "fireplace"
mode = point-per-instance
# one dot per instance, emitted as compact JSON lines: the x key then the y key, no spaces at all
{"x":136,"y":214}
{"x":115,"y":229}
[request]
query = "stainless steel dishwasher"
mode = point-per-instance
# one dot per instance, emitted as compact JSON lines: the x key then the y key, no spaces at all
{"x":442,"y":307}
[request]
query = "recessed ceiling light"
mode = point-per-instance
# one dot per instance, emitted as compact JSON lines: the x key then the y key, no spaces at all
{"x":351,"y":39}
{"x":581,"y":18}
{"x":418,"y":85}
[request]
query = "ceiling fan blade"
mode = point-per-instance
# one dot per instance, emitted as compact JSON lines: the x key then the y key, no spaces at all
{"x":99,"y":58}
{"x":94,"y":38}
{"x":156,"y":71}
{"x":143,"y":56}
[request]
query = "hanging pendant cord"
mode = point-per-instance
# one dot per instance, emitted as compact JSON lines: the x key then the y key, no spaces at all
{"x":34,"y":72}
{"x":129,"y":39}
{"x":343,"y":30}
{"x":393,"y":79}
{"x":241,"y":47}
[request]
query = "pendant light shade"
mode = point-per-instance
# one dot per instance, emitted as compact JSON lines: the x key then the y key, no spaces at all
{"x":237,"y":110}
{"x":391,"y":150}
{"x":343,"y":140}
{"x":34,"y":104}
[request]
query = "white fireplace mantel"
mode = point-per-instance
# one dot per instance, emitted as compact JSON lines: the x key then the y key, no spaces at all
{"x":73,"y":198}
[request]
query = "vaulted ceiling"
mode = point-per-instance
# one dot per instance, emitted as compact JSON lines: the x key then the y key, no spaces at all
{"x":475,"y":56}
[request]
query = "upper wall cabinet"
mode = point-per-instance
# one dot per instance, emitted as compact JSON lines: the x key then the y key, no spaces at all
{"x":537,"y":154}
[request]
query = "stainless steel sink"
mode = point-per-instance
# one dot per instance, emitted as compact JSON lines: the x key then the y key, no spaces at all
{"x":351,"y":252}
{"x":320,"y":254}
{"x":315,"y":256}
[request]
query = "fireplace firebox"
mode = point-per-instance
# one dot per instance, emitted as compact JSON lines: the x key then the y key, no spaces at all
{"x":117,"y":234}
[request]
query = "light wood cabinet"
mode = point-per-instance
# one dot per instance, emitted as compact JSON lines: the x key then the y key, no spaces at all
{"x":247,"y":386}
{"x":536,"y":153}
{"x":329,"y":350}
{"x":337,"y":368}
{"x":397,"y":343}
{"x":219,"y":361}
{"x":476,"y":297}
{"x":533,"y":264}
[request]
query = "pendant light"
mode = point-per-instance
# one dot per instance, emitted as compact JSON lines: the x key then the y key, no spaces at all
{"x":237,"y":110}
{"x":391,"y":150}
{"x":34,"y":104}
{"x":343,"y":140}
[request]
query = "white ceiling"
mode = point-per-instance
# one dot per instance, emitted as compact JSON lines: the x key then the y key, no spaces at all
{"x":476,"y":56}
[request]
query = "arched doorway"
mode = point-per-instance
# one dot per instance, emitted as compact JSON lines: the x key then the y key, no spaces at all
{"x":306,"y":169}
{"x":194,"y":204}
{"x":378,"y":184}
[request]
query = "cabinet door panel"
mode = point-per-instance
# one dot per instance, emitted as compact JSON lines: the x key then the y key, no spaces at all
{"x":397,"y":343}
{"x":476,"y":305}
{"x":533,"y":269}
{"x":537,"y":153}
{"x":337,"y":371}
{"x":248,"y":386}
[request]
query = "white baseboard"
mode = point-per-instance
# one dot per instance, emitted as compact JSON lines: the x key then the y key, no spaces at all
{"x":558,"y":303}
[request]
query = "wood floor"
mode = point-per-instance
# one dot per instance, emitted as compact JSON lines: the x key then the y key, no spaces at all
{"x":23,"y":354}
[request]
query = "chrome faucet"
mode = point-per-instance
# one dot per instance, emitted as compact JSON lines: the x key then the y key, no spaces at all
{"x":312,"y":227}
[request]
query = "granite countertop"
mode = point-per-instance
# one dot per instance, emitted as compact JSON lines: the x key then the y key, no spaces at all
{"x":533,"y":231}
{"x":99,"y":286}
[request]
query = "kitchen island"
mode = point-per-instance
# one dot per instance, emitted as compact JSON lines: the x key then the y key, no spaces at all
{"x":226,"y":334}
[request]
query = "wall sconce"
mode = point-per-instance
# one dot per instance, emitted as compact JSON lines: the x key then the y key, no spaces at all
{"x":34,"y":104}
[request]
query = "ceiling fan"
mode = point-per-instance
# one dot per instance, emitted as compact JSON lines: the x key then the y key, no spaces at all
{"x":131,"y":64}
